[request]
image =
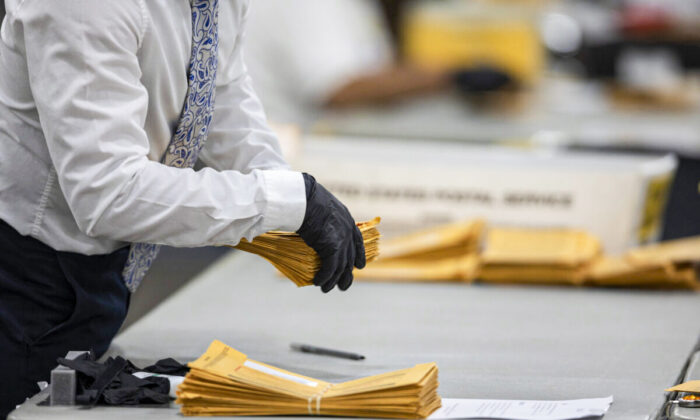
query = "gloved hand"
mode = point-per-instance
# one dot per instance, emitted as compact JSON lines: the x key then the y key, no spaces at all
{"x":481,"y":79}
{"x":330,"y":230}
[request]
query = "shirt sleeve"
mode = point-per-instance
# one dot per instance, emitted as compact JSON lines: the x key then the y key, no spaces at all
{"x":85,"y":78}
{"x":240,"y":137}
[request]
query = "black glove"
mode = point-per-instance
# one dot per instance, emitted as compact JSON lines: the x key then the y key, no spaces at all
{"x":480,"y":79}
{"x":330,"y":230}
{"x":112,"y":382}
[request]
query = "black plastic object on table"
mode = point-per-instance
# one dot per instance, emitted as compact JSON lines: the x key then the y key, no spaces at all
{"x":113,"y":383}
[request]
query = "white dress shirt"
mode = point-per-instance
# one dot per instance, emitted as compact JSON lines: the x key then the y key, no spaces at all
{"x":90,"y":95}
{"x":300,"y":51}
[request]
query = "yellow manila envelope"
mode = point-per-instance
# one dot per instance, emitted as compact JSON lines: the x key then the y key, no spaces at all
{"x":532,"y":274}
{"x":620,"y":272}
{"x":686,"y":250}
{"x":690,"y":386}
{"x":463,"y":268}
{"x":452,"y":240}
{"x":540,"y":246}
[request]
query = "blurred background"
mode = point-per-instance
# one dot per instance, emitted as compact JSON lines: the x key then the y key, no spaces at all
{"x":565,"y":113}
{"x":603,"y":88}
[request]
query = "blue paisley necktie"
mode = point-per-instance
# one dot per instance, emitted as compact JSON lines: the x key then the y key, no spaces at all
{"x":194,"y":122}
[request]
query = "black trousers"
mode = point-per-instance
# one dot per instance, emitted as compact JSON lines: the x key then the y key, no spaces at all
{"x":52,"y":302}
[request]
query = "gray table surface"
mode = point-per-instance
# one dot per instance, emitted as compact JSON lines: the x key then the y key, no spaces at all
{"x":488,"y":341}
{"x":560,"y":111}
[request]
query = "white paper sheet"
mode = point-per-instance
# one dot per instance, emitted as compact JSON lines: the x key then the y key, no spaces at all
{"x":521,"y":410}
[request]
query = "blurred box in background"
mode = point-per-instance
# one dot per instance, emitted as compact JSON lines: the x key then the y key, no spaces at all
{"x":458,"y":34}
{"x":620,"y":198}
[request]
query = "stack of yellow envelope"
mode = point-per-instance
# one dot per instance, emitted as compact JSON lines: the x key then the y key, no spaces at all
{"x":296,"y":260}
{"x":675,"y":262}
{"x":680,"y":253}
{"x":444,"y":253}
{"x":520,"y":255}
{"x":620,"y":272}
{"x":452,"y":240}
{"x":224,"y":382}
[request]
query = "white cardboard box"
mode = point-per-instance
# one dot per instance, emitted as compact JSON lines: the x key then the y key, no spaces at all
{"x":411,"y":184}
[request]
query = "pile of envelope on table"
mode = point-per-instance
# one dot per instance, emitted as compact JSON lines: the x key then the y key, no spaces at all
{"x":473,"y":251}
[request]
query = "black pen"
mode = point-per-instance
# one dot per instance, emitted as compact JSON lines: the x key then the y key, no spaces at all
{"x":305,"y":348}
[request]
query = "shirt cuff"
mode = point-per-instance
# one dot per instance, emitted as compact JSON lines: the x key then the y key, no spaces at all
{"x":285,"y":194}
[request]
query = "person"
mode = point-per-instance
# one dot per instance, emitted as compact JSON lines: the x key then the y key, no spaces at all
{"x":309,"y":55}
{"x":104,"y":109}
